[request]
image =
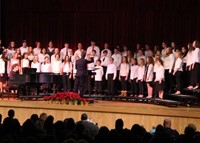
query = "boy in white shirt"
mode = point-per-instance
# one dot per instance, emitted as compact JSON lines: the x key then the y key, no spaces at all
{"x":98,"y":77}
{"x":111,"y":74}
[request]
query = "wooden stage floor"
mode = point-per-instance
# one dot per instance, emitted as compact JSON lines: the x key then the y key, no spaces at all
{"x":106,"y":112}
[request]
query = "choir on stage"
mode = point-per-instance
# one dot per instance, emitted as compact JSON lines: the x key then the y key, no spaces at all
{"x":135,"y":71}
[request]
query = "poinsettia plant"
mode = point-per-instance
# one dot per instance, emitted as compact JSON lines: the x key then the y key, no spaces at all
{"x":66,"y":97}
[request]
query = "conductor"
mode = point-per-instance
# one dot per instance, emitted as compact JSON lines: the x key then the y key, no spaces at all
{"x":81,"y":74}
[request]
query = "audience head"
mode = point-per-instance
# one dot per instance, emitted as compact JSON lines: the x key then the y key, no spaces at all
{"x":167,"y":123}
{"x":84,"y":116}
{"x":11,"y":113}
{"x":119,"y":124}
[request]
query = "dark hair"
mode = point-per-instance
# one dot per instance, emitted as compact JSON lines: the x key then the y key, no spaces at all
{"x":94,"y":51}
{"x":99,"y":60}
{"x":105,"y":51}
{"x":11,"y":113}
{"x":84,"y":116}
{"x":151,"y":61}
{"x":119,"y":124}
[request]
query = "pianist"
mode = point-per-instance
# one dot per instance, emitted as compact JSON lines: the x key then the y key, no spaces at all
{"x":12,"y":76}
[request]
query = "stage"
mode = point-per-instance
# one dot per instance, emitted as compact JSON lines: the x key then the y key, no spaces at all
{"x":106,"y":112}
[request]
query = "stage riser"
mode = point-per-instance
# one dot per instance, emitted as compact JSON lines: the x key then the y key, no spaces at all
{"x":104,"y":118}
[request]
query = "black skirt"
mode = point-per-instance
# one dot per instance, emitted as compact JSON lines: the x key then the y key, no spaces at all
{"x":159,"y":86}
{"x":4,"y":78}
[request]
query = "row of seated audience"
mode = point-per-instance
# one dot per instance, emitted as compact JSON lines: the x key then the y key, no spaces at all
{"x":43,"y":129}
{"x":158,"y":70}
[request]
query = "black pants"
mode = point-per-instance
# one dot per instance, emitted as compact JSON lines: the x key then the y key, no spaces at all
{"x":111,"y":83}
{"x":169,"y":81}
{"x":123,"y":83}
{"x":66,"y":83}
{"x":104,"y":83}
{"x":141,"y":87}
{"x":134,"y":87}
{"x":195,"y":74}
{"x":79,"y":84}
{"x":178,"y":80}
{"x":98,"y":87}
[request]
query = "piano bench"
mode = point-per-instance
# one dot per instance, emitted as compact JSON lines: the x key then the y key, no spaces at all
{"x":7,"y":91}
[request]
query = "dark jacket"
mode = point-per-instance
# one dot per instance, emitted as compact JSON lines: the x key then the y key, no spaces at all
{"x":81,"y":67}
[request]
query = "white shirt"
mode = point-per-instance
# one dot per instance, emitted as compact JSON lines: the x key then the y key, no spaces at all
{"x":141,"y":70}
{"x":91,"y":66}
{"x":160,"y":73}
{"x":104,"y":61}
{"x":46,"y":68}
{"x":99,"y":73}
{"x":149,"y":76}
{"x":196,"y":56}
{"x":56,"y":67}
{"x":111,"y":69}
{"x":37,"y":51}
{"x":36,"y":65}
{"x":109,"y":53}
{"x":117,"y":60}
{"x":2,"y":66}
{"x":23,"y":50}
{"x":41,"y":57}
{"x":124,"y":69}
{"x":178,"y":64}
{"x":30,"y":57}
{"x":53,"y":58}
{"x":189,"y":58}
{"x":141,"y":57}
{"x":63,"y":53}
{"x":169,"y":62}
{"x":78,"y":53}
{"x":134,"y":72}
{"x":67,"y":67}
{"x":96,"y":48}
{"x":25,"y":63}
{"x":10,"y":53}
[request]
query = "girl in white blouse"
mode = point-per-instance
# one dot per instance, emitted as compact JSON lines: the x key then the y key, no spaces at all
{"x":159,"y":78}
{"x":149,"y":76}
{"x":2,"y":72}
{"x":140,"y":79}
{"x":189,"y":64}
{"x":35,"y":64}
{"x":133,"y":77}
{"x":195,"y":65}
{"x":123,"y":76}
{"x":46,"y":65}
{"x":67,"y":72}
{"x":25,"y":62}
{"x":56,"y":65}
{"x":178,"y":69}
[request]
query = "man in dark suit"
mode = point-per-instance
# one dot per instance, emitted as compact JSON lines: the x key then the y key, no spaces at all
{"x":81,"y":67}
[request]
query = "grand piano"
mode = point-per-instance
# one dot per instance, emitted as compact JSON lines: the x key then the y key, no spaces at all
{"x":29,"y":82}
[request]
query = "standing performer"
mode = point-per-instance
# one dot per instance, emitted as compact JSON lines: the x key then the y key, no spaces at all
{"x":133,"y":77}
{"x":195,"y":66}
{"x":159,"y":78}
{"x":168,"y":65}
{"x":2,"y":72}
{"x":67,"y":72}
{"x":111,"y":74}
{"x":189,"y":64}
{"x":178,"y":69}
{"x":149,"y":76}
{"x":98,"y":77}
{"x":35,"y":64}
{"x":123,"y":76}
{"x":140,"y":79}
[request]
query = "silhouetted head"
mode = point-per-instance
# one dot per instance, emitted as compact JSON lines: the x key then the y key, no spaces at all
{"x":119,"y":124}
{"x":11,"y":113}
{"x":167,"y":123}
{"x":84,"y":116}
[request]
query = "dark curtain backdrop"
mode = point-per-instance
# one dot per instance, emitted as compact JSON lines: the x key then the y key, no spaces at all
{"x":117,"y":22}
